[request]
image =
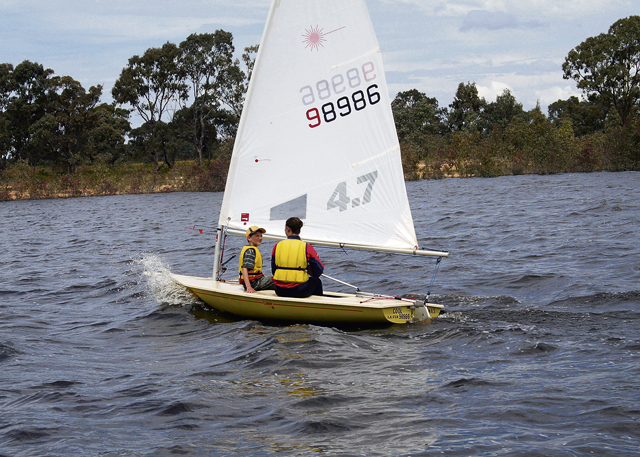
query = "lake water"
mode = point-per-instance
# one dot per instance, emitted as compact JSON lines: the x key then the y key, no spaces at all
{"x":538,"y":353}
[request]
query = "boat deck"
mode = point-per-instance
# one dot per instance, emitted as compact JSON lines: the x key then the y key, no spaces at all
{"x":331,"y":307}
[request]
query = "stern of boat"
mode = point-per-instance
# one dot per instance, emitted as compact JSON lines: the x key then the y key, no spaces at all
{"x":427,"y":311}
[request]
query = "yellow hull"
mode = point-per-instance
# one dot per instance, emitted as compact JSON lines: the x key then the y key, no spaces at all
{"x":332,"y":308}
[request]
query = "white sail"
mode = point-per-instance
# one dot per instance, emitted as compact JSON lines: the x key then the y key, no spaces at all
{"x":317,"y":137}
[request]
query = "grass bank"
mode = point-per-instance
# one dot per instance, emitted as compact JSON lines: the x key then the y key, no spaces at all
{"x":463,"y":156}
{"x":21,"y":181}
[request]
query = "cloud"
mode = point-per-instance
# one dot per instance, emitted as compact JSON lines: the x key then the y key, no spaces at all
{"x":480,"y":19}
{"x":538,"y":9}
{"x":549,"y":95}
{"x":529,"y":80}
{"x":428,"y":45}
{"x":93,"y":40}
{"x":494,"y":89}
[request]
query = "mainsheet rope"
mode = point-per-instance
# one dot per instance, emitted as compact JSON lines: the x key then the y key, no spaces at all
{"x":433,"y":279}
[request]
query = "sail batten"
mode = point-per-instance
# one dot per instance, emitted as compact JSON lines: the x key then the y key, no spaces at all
{"x":317,"y":136}
{"x":390,"y":151}
{"x":343,"y":64}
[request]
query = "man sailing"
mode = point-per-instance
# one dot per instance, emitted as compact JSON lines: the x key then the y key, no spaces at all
{"x":295,"y":264}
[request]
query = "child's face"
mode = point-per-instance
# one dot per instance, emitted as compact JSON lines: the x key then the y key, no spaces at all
{"x":255,"y":239}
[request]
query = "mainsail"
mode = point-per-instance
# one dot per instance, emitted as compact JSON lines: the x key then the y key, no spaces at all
{"x":317,"y":137}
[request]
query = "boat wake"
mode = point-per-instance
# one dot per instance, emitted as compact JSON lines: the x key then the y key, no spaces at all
{"x":161,"y":286}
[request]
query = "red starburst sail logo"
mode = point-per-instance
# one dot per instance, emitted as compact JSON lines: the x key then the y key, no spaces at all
{"x":314,"y":37}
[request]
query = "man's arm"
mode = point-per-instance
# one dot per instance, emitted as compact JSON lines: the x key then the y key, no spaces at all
{"x":315,"y":268}
{"x":273,"y":260}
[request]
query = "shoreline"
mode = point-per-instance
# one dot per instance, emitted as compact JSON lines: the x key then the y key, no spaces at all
{"x":165,"y":189}
{"x":8,"y":194}
{"x":21,"y":182}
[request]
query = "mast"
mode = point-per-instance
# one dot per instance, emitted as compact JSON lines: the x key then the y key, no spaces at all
{"x":216,"y":254}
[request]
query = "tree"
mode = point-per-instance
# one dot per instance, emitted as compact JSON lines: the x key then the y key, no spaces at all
{"x":63,"y":133}
{"x":586,"y":117}
{"x":5,"y":90}
{"x":108,"y":135}
{"x":139,"y":140}
{"x":606,"y":67}
{"x":219,"y":128}
{"x":466,"y":109}
{"x":502,"y":111}
{"x":150,"y":84}
{"x":207,"y":61}
{"x":24,"y":100}
{"x":249,"y":58}
{"x":415,"y":113}
{"x":181,"y":127}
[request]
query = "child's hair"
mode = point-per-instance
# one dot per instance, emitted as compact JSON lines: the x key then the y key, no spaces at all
{"x":295,"y":224}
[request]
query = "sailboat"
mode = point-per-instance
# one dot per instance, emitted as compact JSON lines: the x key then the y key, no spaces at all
{"x":317,"y":140}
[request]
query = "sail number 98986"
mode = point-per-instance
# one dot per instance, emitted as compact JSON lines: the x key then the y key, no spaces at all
{"x":345,"y":104}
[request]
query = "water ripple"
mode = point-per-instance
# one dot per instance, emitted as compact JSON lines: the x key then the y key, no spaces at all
{"x":535,"y":354}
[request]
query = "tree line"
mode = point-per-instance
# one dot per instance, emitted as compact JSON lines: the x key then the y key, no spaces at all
{"x":190,"y":98}
{"x":473,"y":137}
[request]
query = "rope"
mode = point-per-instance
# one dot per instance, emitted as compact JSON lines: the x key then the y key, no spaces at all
{"x":342,"y":282}
{"x":223,"y":234}
{"x":433,"y":279}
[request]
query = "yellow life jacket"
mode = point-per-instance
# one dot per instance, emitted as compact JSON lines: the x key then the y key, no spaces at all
{"x":291,"y":261}
{"x":257,"y":267}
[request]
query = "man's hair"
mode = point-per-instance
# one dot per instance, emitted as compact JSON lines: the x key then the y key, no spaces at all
{"x":295,"y":224}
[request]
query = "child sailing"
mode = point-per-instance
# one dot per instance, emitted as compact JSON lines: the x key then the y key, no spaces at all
{"x":250,"y":264}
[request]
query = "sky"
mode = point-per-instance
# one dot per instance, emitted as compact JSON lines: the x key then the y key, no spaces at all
{"x":429,"y":45}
